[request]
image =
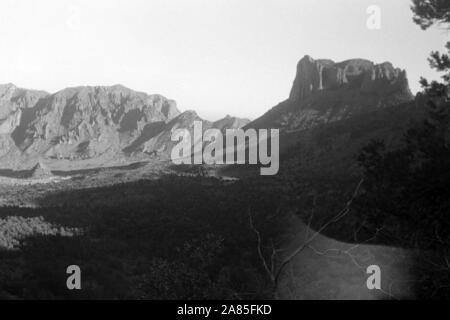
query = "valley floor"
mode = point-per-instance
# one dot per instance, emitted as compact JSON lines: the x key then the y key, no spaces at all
{"x":324,"y":268}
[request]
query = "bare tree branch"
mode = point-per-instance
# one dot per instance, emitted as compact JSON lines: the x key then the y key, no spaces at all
{"x":272,"y":272}
{"x":259,"y":249}
{"x":339,"y":216}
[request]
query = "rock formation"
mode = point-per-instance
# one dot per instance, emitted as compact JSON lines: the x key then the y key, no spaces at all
{"x":316,"y":75}
{"x":325,"y":91}
{"x":112,"y":123}
{"x":88,"y":123}
{"x":40,"y":171}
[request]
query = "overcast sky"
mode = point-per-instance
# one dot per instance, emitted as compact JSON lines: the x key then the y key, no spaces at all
{"x":215,"y":56}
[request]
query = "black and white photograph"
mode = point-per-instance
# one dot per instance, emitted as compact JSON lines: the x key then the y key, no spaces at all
{"x":236,"y":151}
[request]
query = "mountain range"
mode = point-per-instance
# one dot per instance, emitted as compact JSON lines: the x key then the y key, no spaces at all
{"x":97,"y":126}
{"x":105,"y":124}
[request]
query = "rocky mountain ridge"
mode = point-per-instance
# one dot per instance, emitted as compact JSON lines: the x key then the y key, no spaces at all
{"x":113,"y":124}
{"x":85,"y":123}
{"x":325,"y":91}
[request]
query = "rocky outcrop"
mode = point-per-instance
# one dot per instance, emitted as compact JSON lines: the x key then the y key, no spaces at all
{"x":316,"y":75}
{"x":325,"y":91}
{"x":13,"y":99}
{"x":10,"y":122}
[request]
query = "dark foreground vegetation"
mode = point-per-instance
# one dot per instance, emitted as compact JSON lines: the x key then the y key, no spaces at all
{"x":175,"y":238}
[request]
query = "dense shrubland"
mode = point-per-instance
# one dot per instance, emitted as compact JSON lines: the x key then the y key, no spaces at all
{"x":172,"y":238}
{"x":13,"y":229}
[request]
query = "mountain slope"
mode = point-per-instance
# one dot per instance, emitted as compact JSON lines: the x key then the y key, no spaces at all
{"x":230,"y":122}
{"x":333,"y":110}
{"x":100,"y":124}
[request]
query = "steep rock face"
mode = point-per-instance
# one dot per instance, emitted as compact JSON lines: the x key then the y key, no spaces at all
{"x":75,"y":123}
{"x":97,"y":124}
{"x":88,"y":121}
{"x":316,"y":75}
{"x":10,"y":122}
{"x":13,"y":99}
{"x":163,"y":144}
{"x":14,"y":102}
{"x":324,"y":91}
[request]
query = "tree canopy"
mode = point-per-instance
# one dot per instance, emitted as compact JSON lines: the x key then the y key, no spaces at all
{"x":430,"y":12}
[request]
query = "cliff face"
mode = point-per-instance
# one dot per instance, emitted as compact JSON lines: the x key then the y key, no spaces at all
{"x":84,"y":122}
{"x":325,"y":91}
{"x":94,"y":124}
{"x":316,"y":75}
